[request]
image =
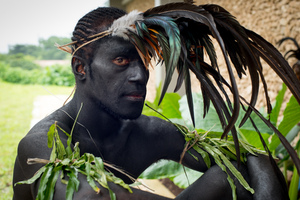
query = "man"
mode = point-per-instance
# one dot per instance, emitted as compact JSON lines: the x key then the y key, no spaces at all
{"x":111,"y":84}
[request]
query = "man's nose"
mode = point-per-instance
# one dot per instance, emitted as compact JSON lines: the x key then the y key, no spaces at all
{"x":139,"y":73}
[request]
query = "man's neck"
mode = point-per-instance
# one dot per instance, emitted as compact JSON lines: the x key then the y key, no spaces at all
{"x":94,"y":117}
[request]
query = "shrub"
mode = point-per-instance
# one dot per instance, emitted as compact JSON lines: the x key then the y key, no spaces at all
{"x":53,"y":75}
{"x":20,"y":61}
{"x":58,"y":75}
{"x":19,"y":75}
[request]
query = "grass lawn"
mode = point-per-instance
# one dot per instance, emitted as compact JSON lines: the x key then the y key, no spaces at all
{"x":16,"y":104}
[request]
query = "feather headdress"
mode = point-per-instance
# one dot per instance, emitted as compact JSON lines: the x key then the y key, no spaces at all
{"x":179,"y":34}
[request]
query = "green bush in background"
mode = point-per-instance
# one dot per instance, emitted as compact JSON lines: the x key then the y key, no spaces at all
{"x":20,"y":61}
{"x":16,"y":105}
{"x":51,"y":75}
{"x":58,"y":75}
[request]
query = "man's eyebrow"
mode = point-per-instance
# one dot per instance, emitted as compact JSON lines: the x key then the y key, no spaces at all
{"x":129,"y":50}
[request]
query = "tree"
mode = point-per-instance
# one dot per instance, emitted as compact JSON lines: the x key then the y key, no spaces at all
{"x":49,"y":51}
{"x":46,"y":49}
{"x":32,"y":50}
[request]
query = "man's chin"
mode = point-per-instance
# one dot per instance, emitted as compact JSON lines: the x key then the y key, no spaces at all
{"x":130,"y":117}
{"x":124,"y":117}
{"x":118,"y":115}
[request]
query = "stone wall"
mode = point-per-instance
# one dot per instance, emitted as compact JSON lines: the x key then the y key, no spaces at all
{"x":140,"y":5}
{"x":272,"y":19}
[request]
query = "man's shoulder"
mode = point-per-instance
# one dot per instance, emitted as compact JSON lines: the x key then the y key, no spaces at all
{"x":37,"y":135}
{"x":36,"y":138}
{"x":153,"y":121}
{"x":156,"y":125}
{"x":164,"y":135}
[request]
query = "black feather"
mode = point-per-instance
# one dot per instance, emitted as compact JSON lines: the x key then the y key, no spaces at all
{"x":184,"y":33}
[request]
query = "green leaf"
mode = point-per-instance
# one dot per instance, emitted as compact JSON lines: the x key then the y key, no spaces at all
{"x":51,"y":135}
{"x":65,"y":161}
{"x":44,"y":181}
{"x":73,"y":184}
{"x":229,"y":165}
{"x":53,"y":154}
{"x":76,"y":152}
{"x":112,"y":195}
{"x":70,"y":136}
{"x":222,"y":166}
{"x":89,"y":179}
{"x":233,"y":187}
{"x":49,"y":192}
{"x":184,"y":180}
{"x":99,"y":163}
{"x":172,"y":170}
{"x":68,"y":149}
{"x":120,"y":182}
{"x":290,"y":137}
{"x":291,"y":117}
{"x":71,"y":164}
{"x":294,"y":185}
{"x":60,"y":148}
{"x":170,"y":105}
{"x":278,"y":103}
{"x":210,"y":122}
{"x":252,"y":137}
{"x":204,"y":155}
{"x":34,"y":178}
{"x":162,"y":169}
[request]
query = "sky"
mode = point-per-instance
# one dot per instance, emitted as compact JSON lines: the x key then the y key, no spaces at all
{"x":27,"y":21}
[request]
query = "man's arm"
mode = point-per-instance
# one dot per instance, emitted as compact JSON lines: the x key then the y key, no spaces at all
{"x":266,"y":179}
{"x":258,"y":172}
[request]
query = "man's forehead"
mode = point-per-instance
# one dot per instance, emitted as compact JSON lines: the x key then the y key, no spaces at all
{"x":115,"y":44}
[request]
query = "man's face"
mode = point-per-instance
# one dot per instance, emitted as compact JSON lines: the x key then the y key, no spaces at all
{"x":119,"y":78}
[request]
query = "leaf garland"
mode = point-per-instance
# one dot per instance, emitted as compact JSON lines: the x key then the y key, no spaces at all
{"x":65,"y":162}
{"x":222,"y":151}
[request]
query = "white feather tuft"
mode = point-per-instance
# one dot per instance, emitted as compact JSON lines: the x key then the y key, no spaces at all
{"x":121,"y":26}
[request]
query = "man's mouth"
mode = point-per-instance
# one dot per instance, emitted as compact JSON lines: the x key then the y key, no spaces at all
{"x":135,"y":96}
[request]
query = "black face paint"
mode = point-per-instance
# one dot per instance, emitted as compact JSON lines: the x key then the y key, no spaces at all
{"x":119,"y":79}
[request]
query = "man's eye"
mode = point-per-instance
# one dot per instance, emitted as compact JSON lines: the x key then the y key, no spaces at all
{"x":121,"y":61}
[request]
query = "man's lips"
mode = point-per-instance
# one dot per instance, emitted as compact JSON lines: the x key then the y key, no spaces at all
{"x":135,"y":96}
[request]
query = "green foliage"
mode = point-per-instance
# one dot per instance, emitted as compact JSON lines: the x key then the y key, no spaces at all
{"x":168,"y":107}
{"x":294,"y":185}
{"x":181,"y":176}
{"x":19,"y":60}
{"x":18,"y":75}
{"x":16,"y":104}
{"x":49,"y":51}
{"x":53,"y":75}
{"x":291,"y":118}
{"x":32,"y":50}
{"x":58,"y":75}
{"x":45,"y":50}
{"x":204,"y":142}
{"x":288,"y":127}
{"x":69,"y":163}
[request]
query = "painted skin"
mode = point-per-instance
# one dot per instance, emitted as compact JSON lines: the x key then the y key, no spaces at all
{"x":112,"y":90}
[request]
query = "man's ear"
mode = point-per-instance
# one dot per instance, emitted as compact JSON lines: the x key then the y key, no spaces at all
{"x":79,"y":67}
